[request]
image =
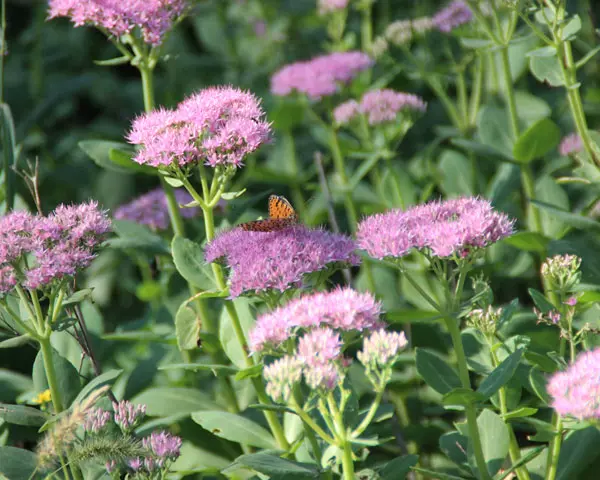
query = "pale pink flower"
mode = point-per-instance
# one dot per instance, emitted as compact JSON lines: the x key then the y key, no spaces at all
{"x":454,"y":15}
{"x":281,"y":376}
{"x":153,"y":18}
{"x":321,"y":345}
{"x":321,"y":76}
{"x":570,"y":144}
{"x":576,"y":391}
{"x":329,"y":6}
{"x":381,"y":348}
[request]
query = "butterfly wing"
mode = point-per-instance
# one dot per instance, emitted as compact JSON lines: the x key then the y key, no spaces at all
{"x":279,"y":207}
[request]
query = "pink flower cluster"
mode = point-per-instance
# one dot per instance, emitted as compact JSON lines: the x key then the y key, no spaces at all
{"x":342,"y":309}
{"x":154,"y":18}
{"x":570,"y":144}
{"x":330,"y":6}
{"x":151,"y":209}
{"x":57,"y":245}
{"x":218,"y":125}
{"x":576,"y":391}
{"x":457,"y":13}
{"x":260,"y":261}
{"x":321,"y":76}
{"x":318,"y":356}
{"x":445,"y":228}
{"x":379,"y":106}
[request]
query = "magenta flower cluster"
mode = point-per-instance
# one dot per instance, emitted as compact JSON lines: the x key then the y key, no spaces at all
{"x":218,"y":126}
{"x":341,"y":309}
{"x":570,"y":144}
{"x":96,"y":419}
{"x":57,"y":245}
{"x":576,"y":391}
{"x":151,"y":209}
{"x":379,"y":106}
{"x":321,"y":76}
{"x":278,"y":260}
{"x":454,"y":15}
{"x":128,"y":415}
{"x":444,"y":228}
{"x":154,"y":18}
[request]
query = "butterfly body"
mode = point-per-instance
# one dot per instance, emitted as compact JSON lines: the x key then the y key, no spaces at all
{"x":281,"y":215}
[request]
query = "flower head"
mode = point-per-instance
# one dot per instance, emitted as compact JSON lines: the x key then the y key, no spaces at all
{"x":128,"y":415}
{"x":381,"y":348}
{"x":379,"y":106}
{"x":570,"y":144}
{"x":260,"y":261}
{"x":96,"y":419}
{"x":454,"y":15}
{"x":341,"y":309}
{"x":163,"y":445}
{"x":322,"y":376}
{"x":576,"y":391}
{"x":57,"y":246}
{"x":135,"y":463}
{"x":218,"y":125}
{"x":444,"y":227}
{"x":402,"y":32}
{"x":154,"y":18}
{"x":281,"y":376}
{"x":562,"y":271}
{"x":321,"y":76}
{"x":110,"y":466}
{"x":486,"y":320}
{"x":321,"y":345}
{"x":151,"y":209}
{"x":329,"y":6}
{"x":346,"y":111}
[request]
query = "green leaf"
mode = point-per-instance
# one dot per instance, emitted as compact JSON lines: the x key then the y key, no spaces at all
{"x":587,"y":57}
{"x":477,"y":351}
{"x":22,"y":415}
{"x":17,"y":463}
{"x":520,"y":413}
{"x":572,"y":219}
{"x":235,"y":428}
{"x":67,"y":377}
{"x":217,"y":370}
{"x":250,"y":372}
{"x":454,"y":445}
{"x":106,"y":378}
{"x":535,"y":142}
{"x":227,"y":336}
{"x":462,"y":397}
{"x":493,"y":127}
{"x":571,"y":28}
{"x":277,"y":467}
{"x":187,"y":327}
{"x":494,"y":439}
{"x":483,"y":151}
{"x":163,"y":401}
{"x":456,"y":174}
{"x":188,"y":257}
{"x":134,"y":236}
{"x":174,"y":182}
{"x":122,"y":60}
{"x":476,"y":43}
{"x":100,"y":152}
{"x":196,"y":459}
{"x":525,"y":459}
{"x":528,"y":241}
{"x":397,"y":468}
{"x":365,"y":167}
{"x":436,"y":371}
{"x":232,"y":195}
{"x":78,"y":297}
{"x":578,"y":451}
{"x":547,"y":69}
{"x":500,"y":375}
{"x":537,"y":381}
{"x":540,"y":301}
{"x":15,"y":341}
{"x":431,"y":474}
{"x":10,"y":154}
{"x":549,"y":51}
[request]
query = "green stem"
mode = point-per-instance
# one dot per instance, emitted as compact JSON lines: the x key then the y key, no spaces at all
{"x":475,"y":99}
{"x":2,"y":47}
{"x":556,"y":442}
{"x":343,"y":438}
{"x":463,"y":373}
{"x":55,"y":392}
{"x":348,"y":462}
{"x":513,"y":446}
{"x":422,"y":292}
{"x":338,"y":162}
{"x":366,"y":26}
{"x":509,"y":92}
{"x":370,"y":414}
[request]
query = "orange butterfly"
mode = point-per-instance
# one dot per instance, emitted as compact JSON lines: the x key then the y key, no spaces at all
{"x":281,"y":215}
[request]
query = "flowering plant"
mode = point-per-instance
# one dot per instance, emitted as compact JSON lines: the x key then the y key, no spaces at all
{"x":337,"y":239}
